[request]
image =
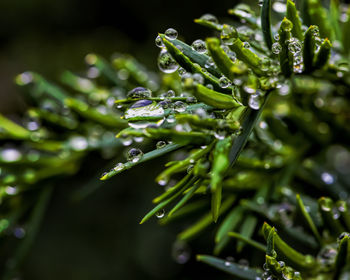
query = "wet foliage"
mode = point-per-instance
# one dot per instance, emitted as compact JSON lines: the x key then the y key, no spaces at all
{"x":255,"y":118}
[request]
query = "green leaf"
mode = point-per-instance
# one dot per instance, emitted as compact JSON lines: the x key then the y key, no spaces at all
{"x":308,"y":219}
{"x":186,"y":197}
{"x":292,"y":15}
{"x":334,"y":16}
{"x":266,"y":22}
{"x":148,"y":156}
{"x":343,"y":256}
{"x":247,"y":230}
{"x":14,"y":130}
{"x":298,"y":260}
{"x":346,"y":33}
{"x":185,"y":62}
{"x":234,"y":269}
{"x":326,"y":206}
{"x":229,"y":68}
{"x":318,"y":15}
{"x":323,"y":55}
{"x":204,"y":222}
{"x":309,"y":48}
{"x":229,"y":223}
{"x":286,"y":57}
{"x":248,"y":241}
{"x":211,"y":97}
{"x":220,"y":166}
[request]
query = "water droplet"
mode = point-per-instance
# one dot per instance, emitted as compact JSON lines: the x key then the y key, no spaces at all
{"x":162,"y":182}
{"x":166,"y":63}
{"x":243,"y":263}
{"x":209,"y":86}
{"x":144,"y":108}
{"x":10,"y":155}
{"x":11,"y":190}
{"x":159,"y":42}
{"x":198,"y":78}
{"x":171,"y":34}
{"x":227,"y":263}
{"x":228,"y":34}
{"x":224,"y":82}
{"x":160,"y":214}
{"x":191,"y":99}
{"x":19,"y":232}
{"x":294,"y":46}
{"x":78,"y":143}
{"x":160,"y":144}
{"x":199,"y":46}
{"x":327,"y":255}
{"x":282,"y":264}
{"x":279,"y":7}
{"x":126,"y":141}
{"x":260,"y":2}
{"x":24,"y":78}
{"x":209,"y":17}
{"x":181,"y":71}
{"x":342,"y":207}
{"x":139,"y":92}
{"x":190,"y":168}
{"x":342,"y":235}
{"x":327,"y":178}
{"x":134,"y":155}
{"x":246,"y":45}
{"x":179,"y":106}
{"x":119,"y":167}
{"x":276,"y":48}
{"x":254,"y":102}
{"x":276,"y":37}
{"x":181,"y":252}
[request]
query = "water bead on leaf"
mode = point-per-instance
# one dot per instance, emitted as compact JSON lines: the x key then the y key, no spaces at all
{"x":141,"y":103}
{"x":327,"y":178}
{"x":139,"y":92}
{"x":119,"y":167}
{"x":276,"y":37}
{"x":181,"y":71}
{"x":159,"y":42}
{"x":276,"y":48}
{"x":181,"y":252}
{"x":279,"y":7}
{"x":228,"y":34}
{"x":224,"y":82}
{"x":246,"y":45}
{"x":160,"y":144}
{"x":160,"y":214}
{"x":199,"y":46}
{"x":134,"y":155}
{"x":209,"y":17}
{"x":179,"y":106}
{"x":166,"y":63}
{"x":254,"y":102}
{"x":169,"y":94}
{"x":10,"y":155}
{"x":171,"y":34}
{"x":198,"y":78}
{"x":260,"y":2}
{"x":294,"y":46}
{"x":78,"y":143}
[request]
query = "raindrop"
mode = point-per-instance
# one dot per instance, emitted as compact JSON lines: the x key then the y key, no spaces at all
{"x":209,"y":17}
{"x":134,"y":155}
{"x":181,"y":71}
{"x":162,"y":182}
{"x":276,"y":37}
{"x":119,"y":167}
{"x":179,"y":106}
{"x":181,"y":252}
{"x":171,"y":34}
{"x":294,"y":46}
{"x":160,"y":214}
{"x":160,"y":144}
{"x":254,"y":102}
{"x":279,"y":7}
{"x":198,"y":78}
{"x":191,"y":99}
{"x":10,"y":155}
{"x":169,"y":94}
{"x":24,"y":78}
{"x":139,"y":92}
{"x":224,"y":82}
{"x":209,"y":86}
{"x":276,"y":48}
{"x":78,"y":143}
{"x":19,"y":232}
{"x":159,"y":42}
{"x":246,"y":45}
{"x":144,"y":108}
{"x":126,"y":141}
{"x":327,"y":178}
{"x":11,"y":190}
{"x":228,"y":34}
{"x":190,"y":168}
{"x":260,"y":2}
{"x":199,"y":46}
{"x":166,"y":63}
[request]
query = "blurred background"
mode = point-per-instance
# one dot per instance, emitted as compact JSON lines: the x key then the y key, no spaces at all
{"x":99,"y":237}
